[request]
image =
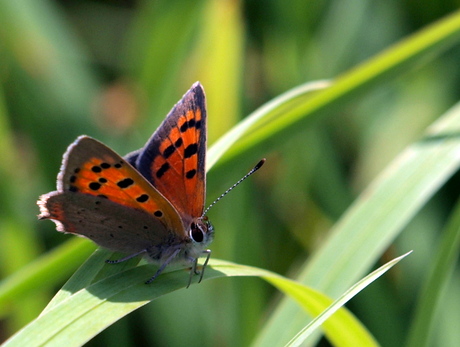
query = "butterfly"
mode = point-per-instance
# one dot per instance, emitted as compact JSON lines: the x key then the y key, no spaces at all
{"x":150,"y":202}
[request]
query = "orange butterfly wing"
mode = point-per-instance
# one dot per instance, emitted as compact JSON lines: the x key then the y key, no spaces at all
{"x":174,"y":157}
{"x":89,"y":167}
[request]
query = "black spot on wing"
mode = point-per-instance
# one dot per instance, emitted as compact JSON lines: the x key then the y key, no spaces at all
{"x":158,"y":213}
{"x":169,"y":151}
{"x":184,"y":127}
{"x":94,"y":186}
{"x":142,"y":198}
{"x":165,"y":167}
{"x":191,"y":150}
{"x":190,"y":174}
{"x":178,"y":143}
{"x":125,"y":183}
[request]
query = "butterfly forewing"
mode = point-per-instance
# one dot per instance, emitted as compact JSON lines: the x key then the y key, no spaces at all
{"x":174,"y":158}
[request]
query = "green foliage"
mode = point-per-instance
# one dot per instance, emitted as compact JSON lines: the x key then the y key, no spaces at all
{"x":347,"y":101}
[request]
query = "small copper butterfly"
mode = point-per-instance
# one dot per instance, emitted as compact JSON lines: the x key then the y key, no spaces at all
{"x":151,"y":202}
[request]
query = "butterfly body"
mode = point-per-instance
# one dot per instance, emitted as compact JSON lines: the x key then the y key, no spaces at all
{"x":151,"y":202}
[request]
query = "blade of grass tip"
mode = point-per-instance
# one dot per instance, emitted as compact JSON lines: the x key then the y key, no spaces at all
{"x":439,"y":276}
{"x":376,"y":218}
{"x":342,"y":326}
{"x":341,"y":301}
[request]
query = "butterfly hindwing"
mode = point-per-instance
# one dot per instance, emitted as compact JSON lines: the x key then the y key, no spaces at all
{"x":92,"y":169}
{"x":174,"y":157}
{"x":108,"y":224}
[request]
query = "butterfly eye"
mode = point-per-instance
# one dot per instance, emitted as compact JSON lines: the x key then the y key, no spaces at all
{"x":197,"y":233}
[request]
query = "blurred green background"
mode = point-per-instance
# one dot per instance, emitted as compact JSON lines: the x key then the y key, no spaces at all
{"x":113,"y":69}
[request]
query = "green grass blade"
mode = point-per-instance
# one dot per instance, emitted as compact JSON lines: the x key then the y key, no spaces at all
{"x":154,"y":62}
{"x":41,"y":43}
{"x":219,"y":51}
{"x":108,"y":300}
{"x":426,"y":44}
{"x":351,"y":336}
{"x":375,"y":219}
{"x":436,"y":282}
{"x":51,"y":267}
{"x":82,"y":278}
{"x":263,"y":115}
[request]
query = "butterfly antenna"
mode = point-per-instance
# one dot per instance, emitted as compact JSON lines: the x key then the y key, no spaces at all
{"x":254,"y":169}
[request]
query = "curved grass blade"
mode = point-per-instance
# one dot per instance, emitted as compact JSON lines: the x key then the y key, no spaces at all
{"x":340,"y":340}
{"x":375,"y":219}
{"x":438,"y":277}
{"x":268,"y":112}
{"x":53,"y":266}
{"x":106,"y":301}
{"x":428,"y":43}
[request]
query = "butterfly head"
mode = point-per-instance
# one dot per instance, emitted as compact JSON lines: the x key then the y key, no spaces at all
{"x":201,"y":231}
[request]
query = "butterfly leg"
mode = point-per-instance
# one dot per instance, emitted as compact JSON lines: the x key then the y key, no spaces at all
{"x":116,"y":261}
{"x":163,"y":266}
{"x":208,"y":255}
{"x":194,"y":271}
